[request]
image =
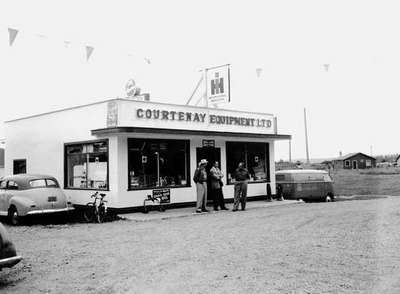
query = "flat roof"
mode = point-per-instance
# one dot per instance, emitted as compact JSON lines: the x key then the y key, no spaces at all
{"x":133,"y":100}
{"x":119,"y":130}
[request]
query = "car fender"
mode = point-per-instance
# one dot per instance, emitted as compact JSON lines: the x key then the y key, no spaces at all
{"x":7,"y":248}
{"x":22,"y":204}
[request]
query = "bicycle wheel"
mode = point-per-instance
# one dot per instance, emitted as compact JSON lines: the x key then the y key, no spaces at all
{"x":97,"y":215}
{"x":102,"y":214}
{"x":89,"y":214}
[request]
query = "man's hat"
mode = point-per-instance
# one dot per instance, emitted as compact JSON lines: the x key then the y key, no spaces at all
{"x":203,"y":161}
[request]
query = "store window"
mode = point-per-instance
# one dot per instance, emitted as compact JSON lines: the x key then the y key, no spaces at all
{"x":158,"y":163}
{"x":19,"y":166}
{"x":87,"y":165}
{"x":254,"y":155}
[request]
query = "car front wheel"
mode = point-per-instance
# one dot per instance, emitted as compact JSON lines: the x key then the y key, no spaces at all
{"x":13,"y":216}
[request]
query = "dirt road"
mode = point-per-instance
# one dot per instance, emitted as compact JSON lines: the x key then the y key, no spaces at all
{"x":341,"y":247}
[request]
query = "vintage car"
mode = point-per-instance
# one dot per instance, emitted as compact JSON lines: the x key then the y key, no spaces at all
{"x":306,"y":184}
{"x":26,"y":194}
{"x":8,"y":254}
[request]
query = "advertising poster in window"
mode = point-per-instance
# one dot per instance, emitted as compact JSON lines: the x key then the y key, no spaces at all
{"x":218,"y":84}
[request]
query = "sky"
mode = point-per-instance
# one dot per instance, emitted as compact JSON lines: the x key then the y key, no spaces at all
{"x":338,"y":59}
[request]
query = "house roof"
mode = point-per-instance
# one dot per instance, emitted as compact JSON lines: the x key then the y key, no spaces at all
{"x":350,"y":155}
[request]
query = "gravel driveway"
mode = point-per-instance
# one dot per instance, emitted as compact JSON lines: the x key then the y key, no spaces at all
{"x":340,"y":247}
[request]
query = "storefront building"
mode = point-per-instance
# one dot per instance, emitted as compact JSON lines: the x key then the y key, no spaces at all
{"x":129,"y":149}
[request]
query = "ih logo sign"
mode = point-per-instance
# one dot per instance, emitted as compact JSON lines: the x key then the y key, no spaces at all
{"x":217,"y":85}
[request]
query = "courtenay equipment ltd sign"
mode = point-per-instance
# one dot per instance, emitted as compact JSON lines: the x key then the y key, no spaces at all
{"x":199,"y":117}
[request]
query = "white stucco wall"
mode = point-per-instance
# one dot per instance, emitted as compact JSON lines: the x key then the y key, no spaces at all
{"x":40,"y":140}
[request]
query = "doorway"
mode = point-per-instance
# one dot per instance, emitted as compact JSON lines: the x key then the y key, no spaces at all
{"x":211,"y":154}
{"x":355,"y":164}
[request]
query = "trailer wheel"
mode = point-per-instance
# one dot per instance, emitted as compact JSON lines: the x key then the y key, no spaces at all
{"x":328,"y":198}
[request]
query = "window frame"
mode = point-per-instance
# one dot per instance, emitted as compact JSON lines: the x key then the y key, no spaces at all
{"x":19,"y":160}
{"x":45,"y":182}
{"x":16,"y":185}
{"x":66,"y":145}
{"x":266,"y":159}
{"x":6,"y":183}
{"x":188,"y":180}
{"x":35,"y":187}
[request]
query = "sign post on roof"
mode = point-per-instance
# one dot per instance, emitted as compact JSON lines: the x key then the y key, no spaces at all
{"x":218,"y":84}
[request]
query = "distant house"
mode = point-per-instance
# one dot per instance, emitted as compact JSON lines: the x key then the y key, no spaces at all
{"x":355,"y":161}
{"x":1,"y":162}
{"x":397,"y":161}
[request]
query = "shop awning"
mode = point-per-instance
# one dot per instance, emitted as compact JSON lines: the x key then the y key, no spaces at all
{"x":119,"y":130}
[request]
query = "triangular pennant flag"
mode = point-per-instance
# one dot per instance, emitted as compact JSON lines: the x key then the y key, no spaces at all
{"x":89,"y":51}
{"x":12,"y":35}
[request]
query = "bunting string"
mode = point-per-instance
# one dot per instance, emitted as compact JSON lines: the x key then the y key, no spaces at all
{"x":14,"y":33}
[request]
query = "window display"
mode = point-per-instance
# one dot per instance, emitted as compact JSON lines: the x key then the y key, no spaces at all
{"x":254,"y":155}
{"x":158,"y":163}
{"x":87,"y":165}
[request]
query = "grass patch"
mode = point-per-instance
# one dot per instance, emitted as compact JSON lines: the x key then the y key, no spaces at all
{"x":354,"y":182}
{"x":358,"y":197}
{"x":381,"y":171}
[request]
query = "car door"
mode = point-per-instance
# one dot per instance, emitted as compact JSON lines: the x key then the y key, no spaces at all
{"x":11,"y":190}
{"x":3,"y":201}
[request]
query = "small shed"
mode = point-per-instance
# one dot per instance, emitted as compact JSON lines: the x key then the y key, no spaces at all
{"x":356,"y":160}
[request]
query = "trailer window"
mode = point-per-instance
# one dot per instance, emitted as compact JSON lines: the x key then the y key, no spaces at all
{"x":280,"y":177}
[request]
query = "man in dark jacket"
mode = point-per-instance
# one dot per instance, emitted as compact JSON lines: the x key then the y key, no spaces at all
{"x":241,"y":177}
{"x":200,"y":178}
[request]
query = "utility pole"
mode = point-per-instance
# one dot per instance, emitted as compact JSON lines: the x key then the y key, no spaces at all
{"x":305,"y":129}
{"x":290,"y":150}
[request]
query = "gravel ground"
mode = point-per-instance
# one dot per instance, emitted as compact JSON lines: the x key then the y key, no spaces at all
{"x":340,"y":247}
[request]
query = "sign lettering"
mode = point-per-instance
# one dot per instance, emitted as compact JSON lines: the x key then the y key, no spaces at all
{"x":199,"y":117}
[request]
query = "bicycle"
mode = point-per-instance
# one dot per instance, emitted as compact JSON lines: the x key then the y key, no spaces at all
{"x":96,"y":211}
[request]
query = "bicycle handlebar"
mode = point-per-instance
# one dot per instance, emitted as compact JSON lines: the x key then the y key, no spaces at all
{"x":95,"y":195}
